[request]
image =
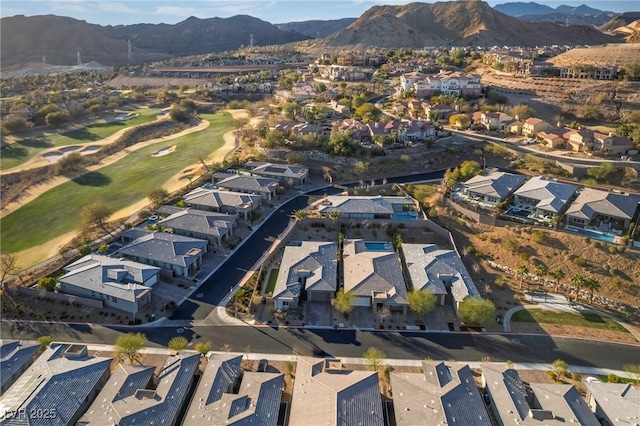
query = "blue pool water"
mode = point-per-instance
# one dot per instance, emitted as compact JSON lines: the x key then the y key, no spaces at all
{"x":209,"y":186}
{"x":378,"y":246}
{"x":405,"y":216}
{"x":592,"y":234}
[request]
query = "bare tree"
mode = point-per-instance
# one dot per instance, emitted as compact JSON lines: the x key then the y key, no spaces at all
{"x":96,"y":213}
{"x":9,"y":267}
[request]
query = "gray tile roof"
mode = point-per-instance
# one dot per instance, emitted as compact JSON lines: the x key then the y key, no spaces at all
{"x":256,"y":403}
{"x":540,"y":403}
{"x":249,"y":183}
{"x":593,"y":201}
{"x":428,"y":265}
{"x":552,"y":196}
{"x":165,"y":247}
{"x":215,"y":198}
{"x":122,"y":279}
{"x":201,"y":221}
{"x":326,"y":394}
{"x":620,"y":402}
{"x":366,"y":272}
{"x":362,"y":204}
{"x":440,"y":395}
{"x":162,"y":405}
{"x":314,"y":259}
{"x":123,"y":383}
{"x":55,"y":384}
{"x":14,"y":356}
{"x":280,"y":170}
{"x":495,"y":184}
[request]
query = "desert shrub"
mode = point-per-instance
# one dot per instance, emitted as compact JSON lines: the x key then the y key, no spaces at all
{"x":539,"y":237}
{"x":524,"y":256}
{"x":580,"y":261}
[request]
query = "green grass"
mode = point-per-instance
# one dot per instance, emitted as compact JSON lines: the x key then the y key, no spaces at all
{"x":271,"y":285}
{"x":120,"y":184}
{"x":587,"y":319}
{"x":23,"y":150}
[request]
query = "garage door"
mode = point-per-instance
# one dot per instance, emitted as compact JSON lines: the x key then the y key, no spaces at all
{"x":319,"y":296}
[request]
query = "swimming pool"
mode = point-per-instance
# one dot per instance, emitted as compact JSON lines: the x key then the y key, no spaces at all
{"x":592,"y":234}
{"x":406,"y":216}
{"x":209,"y":186}
{"x":374,"y":246}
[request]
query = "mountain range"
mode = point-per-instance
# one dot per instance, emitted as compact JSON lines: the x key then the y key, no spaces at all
{"x":65,"y":41}
{"x":535,"y":12}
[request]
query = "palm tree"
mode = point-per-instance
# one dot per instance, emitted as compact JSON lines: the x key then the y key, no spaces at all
{"x":557,"y":274}
{"x":522,"y":271}
{"x":300,"y":214}
{"x":540,"y":271}
{"x":334,"y":215}
{"x":593,"y":284}
{"x":577,"y":280}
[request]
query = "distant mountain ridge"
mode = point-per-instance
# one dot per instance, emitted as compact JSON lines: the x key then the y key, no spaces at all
{"x":532,"y":8}
{"x":317,"y":28}
{"x":625,"y":25}
{"x":59,"y":39}
{"x":454,"y":23}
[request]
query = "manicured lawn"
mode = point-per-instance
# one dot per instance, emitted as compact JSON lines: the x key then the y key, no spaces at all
{"x":587,"y":319}
{"x":273,"y":276}
{"x":120,"y":184}
{"x":20,"y":152}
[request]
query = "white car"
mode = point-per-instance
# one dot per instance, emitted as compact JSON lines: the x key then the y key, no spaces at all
{"x":592,"y":379}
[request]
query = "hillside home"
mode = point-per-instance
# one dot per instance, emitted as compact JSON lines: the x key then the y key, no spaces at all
{"x":516,"y":402}
{"x":129,"y":399}
{"x":407,"y":80}
{"x":204,"y":225}
{"x":15,"y":358}
{"x":611,"y":145}
{"x":264,"y":187}
{"x":580,"y":140}
{"x":438,"y":271}
{"x":496,"y":121}
{"x":614,"y":404}
{"x":368,"y":207}
{"x":545,"y":198}
{"x":492,"y":188}
{"x":309,"y":270}
{"x":602,"y":209}
{"x":437,"y":112}
{"x":553,"y":137}
{"x":120,"y":284}
{"x":440,"y":395}
{"x":532,"y":126}
{"x":286,"y":174}
{"x":325,"y":393}
{"x":373,"y":273}
{"x":358,"y":130}
{"x":60,"y":384}
{"x":176,"y":253}
{"x":228,"y":202}
{"x":415,"y":130}
{"x":216,"y":401}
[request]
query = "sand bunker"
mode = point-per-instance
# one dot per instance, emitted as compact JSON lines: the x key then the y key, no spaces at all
{"x":91,"y":149}
{"x":164,"y":151}
{"x":122,"y":117}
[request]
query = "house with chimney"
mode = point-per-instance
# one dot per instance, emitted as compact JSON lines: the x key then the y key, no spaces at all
{"x":580,"y":140}
{"x":533,"y":126}
{"x":552,"y":137}
{"x":496,"y":121}
{"x":610,"y":144}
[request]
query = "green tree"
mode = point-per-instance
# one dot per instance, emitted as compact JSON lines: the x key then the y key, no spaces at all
{"x":45,"y":341}
{"x":461,"y":121}
{"x":334,"y":215}
{"x":14,"y":124}
{"x":203,"y":348}
{"x":57,"y":119}
{"x":179,"y":114}
{"x":178,"y":343}
{"x":540,"y":270}
{"x":421,"y":302}
{"x":557,"y":274}
{"x":522,"y":270}
{"x":342,"y":144}
{"x":478,"y":311}
{"x":343,"y":302}
{"x":578,"y":280}
{"x":69,"y":164}
{"x":47,"y":283}
{"x":560,"y":367}
{"x":96,"y":213}
{"x":158,"y":196}
{"x":368,"y":112}
{"x":295,"y":157}
{"x":469,"y":169}
{"x":128,"y":347}
{"x":361,"y":167}
{"x":522,"y":112}
{"x":593,"y":285}
{"x":274,"y":139}
{"x":300,"y":214}
{"x":373,"y":357}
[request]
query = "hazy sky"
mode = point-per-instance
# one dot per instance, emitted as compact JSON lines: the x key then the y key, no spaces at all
{"x":174,"y":11}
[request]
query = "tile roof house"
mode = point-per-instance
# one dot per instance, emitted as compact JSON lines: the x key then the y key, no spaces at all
{"x":603,"y":209}
{"x":201,"y":224}
{"x":532,"y":126}
{"x":216,"y":200}
{"x":264,"y":187}
{"x":495,"y":120}
{"x":287,"y":174}
{"x":580,"y":140}
{"x":15,"y":358}
{"x":256,"y":402}
{"x":438,"y":271}
{"x":367,"y":207}
{"x":119,"y":283}
{"x":492,"y":188}
{"x":307,"y":266}
{"x":358,"y":130}
{"x":611,"y":144}
{"x":616,"y":404}
{"x":513,"y":402}
{"x":437,"y":111}
{"x":546,"y":198}
{"x":552,"y":137}
{"x":373,"y":273}
{"x":324,"y":393}
{"x":59,"y":386}
{"x":441,"y":395}
{"x":179,"y":254}
{"x":121,"y":404}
